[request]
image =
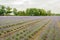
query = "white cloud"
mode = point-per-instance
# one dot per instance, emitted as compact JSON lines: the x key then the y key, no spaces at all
{"x":18,"y":2}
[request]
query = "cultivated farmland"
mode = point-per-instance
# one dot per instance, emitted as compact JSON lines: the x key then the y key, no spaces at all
{"x":29,"y":28}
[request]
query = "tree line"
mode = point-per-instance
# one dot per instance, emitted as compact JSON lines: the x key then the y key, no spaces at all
{"x":6,"y":11}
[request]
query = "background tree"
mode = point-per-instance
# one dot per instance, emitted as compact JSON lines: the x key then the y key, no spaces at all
{"x":21,"y":13}
{"x":32,"y":12}
{"x":42,"y":12}
{"x":35,"y":12}
{"x":8,"y":11}
{"x":49,"y":13}
{"x":15,"y":11}
{"x":2,"y":10}
{"x":27,"y":12}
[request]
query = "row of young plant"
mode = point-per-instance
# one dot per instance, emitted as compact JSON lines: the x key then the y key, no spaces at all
{"x":28,"y":32}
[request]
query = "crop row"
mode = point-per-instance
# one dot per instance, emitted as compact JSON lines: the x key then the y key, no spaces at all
{"x":23,"y":30}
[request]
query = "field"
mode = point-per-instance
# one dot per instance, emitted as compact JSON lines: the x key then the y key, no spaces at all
{"x":29,"y":28}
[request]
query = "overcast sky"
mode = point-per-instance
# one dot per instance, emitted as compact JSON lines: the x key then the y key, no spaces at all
{"x":53,"y":5}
